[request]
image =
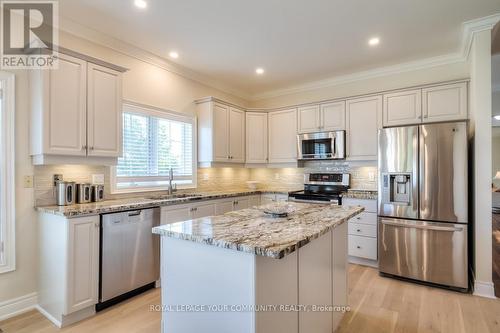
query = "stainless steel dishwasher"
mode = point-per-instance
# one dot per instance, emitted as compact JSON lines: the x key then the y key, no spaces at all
{"x":130,"y":255}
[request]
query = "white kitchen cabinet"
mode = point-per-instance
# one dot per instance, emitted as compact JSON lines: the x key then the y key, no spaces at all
{"x":68,"y":276}
{"x":256,"y":137}
{"x":83,"y":263}
{"x":104,"y":111}
{"x":309,"y":119}
{"x":76,"y":113}
{"x":203,"y":209}
{"x":223,"y":206}
{"x":267,"y":198}
{"x":364,"y":118}
{"x":319,"y":118}
{"x":175,"y":213}
{"x":221,"y":133}
{"x":444,"y":102}
{"x":283,"y":136}
{"x":241,"y":203}
{"x":333,"y":116}
{"x":403,"y":107}
{"x":362,"y":232}
{"x":236,"y":135}
{"x":254,"y":200}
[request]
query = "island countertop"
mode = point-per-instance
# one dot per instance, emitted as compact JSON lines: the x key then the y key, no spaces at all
{"x":252,"y":231}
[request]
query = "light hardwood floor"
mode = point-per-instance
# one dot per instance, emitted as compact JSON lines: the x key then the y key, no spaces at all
{"x":378,"y":304}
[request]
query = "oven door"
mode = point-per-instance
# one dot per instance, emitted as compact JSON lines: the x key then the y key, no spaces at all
{"x":321,"y":146}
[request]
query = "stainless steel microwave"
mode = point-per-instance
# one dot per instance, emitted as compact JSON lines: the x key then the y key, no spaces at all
{"x":321,"y":146}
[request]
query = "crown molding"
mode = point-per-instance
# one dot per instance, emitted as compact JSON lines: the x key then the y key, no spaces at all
{"x":69,"y":26}
{"x":364,"y":75}
{"x":469,"y":28}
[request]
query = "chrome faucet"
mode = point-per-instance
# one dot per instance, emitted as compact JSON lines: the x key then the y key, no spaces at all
{"x":171,"y":187}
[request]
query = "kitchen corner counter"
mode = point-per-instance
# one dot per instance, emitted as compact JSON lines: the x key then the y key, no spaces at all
{"x":116,"y":205}
{"x":252,"y":231}
{"x":361,"y":194}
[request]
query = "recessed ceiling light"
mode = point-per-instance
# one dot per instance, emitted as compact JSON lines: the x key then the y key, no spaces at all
{"x":497,"y":117}
{"x":173,"y":55}
{"x":259,"y":71}
{"x":140,"y":4}
{"x":374,"y":41}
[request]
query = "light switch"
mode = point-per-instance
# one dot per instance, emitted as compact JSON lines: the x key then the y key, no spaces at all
{"x":98,"y":179}
{"x":206,"y":176}
{"x":28,"y":181}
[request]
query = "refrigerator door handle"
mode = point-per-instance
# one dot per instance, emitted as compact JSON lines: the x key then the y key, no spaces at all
{"x":425,"y":227}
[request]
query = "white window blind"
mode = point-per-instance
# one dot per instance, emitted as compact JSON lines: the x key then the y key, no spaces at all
{"x":154,"y":142}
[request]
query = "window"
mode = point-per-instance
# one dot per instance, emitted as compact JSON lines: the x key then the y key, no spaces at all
{"x":154,"y":142}
{"x":7,"y":188}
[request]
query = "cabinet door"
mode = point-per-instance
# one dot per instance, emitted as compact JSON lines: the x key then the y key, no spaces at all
{"x":403,"y":108}
{"x":223,"y":207}
{"x":256,"y":137}
{"x":444,"y":103}
{"x":83,"y":263}
{"x":65,"y":128}
{"x":172,"y":214}
{"x":309,"y":119}
{"x":221,"y":132}
{"x":254,"y":200}
{"x":267,"y":198}
{"x":236,"y":136}
{"x":363,"y":122}
{"x":203,"y":209}
{"x":333,"y":116}
{"x":241,"y":203}
{"x":104,"y":112}
{"x":283,"y":136}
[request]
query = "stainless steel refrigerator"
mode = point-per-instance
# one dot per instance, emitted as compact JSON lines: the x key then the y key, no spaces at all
{"x":423,"y":190}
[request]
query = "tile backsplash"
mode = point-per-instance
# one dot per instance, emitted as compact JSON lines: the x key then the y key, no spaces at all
{"x":363,"y":176}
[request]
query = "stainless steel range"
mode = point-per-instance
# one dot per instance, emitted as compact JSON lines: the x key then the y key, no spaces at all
{"x":322,"y":188}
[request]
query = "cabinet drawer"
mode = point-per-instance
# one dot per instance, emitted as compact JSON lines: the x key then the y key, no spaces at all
{"x":365,"y":218}
{"x":370,"y":205}
{"x":358,"y":229}
{"x":363,"y":247}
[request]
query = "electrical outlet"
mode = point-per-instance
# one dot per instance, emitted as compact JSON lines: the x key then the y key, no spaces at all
{"x":98,"y":179}
{"x":206,"y":176}
{"x":28,"y":181}
{"x":277,"y":176}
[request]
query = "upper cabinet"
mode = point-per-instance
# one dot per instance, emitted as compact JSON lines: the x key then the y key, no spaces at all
{"x":221,"y":133}
{"x":446,"y":102}
{"x":104,"y":111}
{"x":256,"y":137}
{"x":319,"y":118}
{"x":403,"y":107}
{"x":364,"y":118}
{"x":76,"y":113}
{"x":283,"y":136}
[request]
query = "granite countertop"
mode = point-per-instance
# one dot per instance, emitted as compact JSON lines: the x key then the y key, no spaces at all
{"x":252,"y":231}
{"x":116,"y":205}
{"x":361,"y":194}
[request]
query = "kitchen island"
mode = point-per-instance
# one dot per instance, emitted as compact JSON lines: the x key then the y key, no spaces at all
{"x":245,"y":271}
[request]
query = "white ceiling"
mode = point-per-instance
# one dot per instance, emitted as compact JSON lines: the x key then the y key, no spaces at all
{"x":296,"y":41}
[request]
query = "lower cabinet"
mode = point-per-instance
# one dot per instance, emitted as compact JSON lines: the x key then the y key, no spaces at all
{"x":68,"y":266}
{"x":267,"y":198}
{"x":362,"y":231}
{"x":178,"y":213}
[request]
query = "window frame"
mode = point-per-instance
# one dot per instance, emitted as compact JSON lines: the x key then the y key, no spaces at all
{"x":7,"y":181}
{"x":152,"y":111}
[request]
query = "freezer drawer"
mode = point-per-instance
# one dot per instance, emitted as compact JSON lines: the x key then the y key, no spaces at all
{"x":425,"y":251}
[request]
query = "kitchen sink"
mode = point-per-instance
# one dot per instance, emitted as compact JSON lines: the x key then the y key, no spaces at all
{"x":175,"y":196}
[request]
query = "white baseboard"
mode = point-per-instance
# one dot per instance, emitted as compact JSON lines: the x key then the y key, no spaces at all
{"x":49,"y":316}
{"x":484,"y":289}
{"x":363,"y":261}
{"x":16,"y":306}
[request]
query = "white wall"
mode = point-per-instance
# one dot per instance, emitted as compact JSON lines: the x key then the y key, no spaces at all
{"x":480,"y":110}
{"x":449,"y":72}
{"x":495,"y":161}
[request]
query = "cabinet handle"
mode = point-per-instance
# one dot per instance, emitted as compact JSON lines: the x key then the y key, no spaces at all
{"x":91,"y":148}
{"x":358,"y":230}
{"x":97,"y":225}
{"x":84,"y":147}
{"x":358,"y":218}
{"x":358,"y":247}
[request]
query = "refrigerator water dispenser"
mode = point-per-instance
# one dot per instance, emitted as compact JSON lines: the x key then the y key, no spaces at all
{"x":396,"y":188}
